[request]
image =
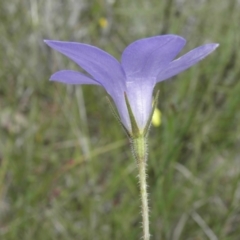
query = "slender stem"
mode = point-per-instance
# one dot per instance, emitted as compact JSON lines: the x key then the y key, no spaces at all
{"x":140,"y":152}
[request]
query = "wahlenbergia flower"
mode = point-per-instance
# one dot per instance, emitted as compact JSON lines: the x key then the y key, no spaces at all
{"x":130,"y":82}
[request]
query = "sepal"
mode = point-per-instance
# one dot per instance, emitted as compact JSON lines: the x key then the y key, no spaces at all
{"x":135,"y":130}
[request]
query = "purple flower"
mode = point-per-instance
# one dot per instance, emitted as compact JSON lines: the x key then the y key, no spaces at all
{"x":144,"y":63}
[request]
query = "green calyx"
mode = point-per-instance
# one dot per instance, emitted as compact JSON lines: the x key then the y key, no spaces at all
{"x":135,"y":129}
{"x":136,"y":132}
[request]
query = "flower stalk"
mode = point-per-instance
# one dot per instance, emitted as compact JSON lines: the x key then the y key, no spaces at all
{"x":139,"y":147}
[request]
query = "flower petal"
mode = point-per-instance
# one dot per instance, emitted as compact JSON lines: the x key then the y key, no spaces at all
{"x":140,"y":97}
{"x":101,"y":65}
{"x":72,"y":77}
{"x":104,"y":68}
{"x":186,"y":61}
{"x":145,"y":57}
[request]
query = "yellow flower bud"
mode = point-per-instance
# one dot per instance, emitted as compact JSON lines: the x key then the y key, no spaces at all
{"x":156,"y":118}
{"x":103,"y":22}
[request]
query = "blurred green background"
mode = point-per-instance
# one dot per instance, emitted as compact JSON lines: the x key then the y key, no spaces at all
{"x":66,"y":167}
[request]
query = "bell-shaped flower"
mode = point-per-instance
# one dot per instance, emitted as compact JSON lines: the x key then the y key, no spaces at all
{"x":130,"y":82}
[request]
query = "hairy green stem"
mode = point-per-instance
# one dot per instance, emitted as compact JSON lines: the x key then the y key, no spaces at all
{"x":140,"y":153}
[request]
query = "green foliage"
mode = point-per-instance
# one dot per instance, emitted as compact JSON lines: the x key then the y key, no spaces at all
{"x":66,"y":169}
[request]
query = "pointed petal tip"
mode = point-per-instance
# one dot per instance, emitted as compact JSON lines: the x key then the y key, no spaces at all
{"x":53,"y":79}
{"x":214,"y":45}
{"x":51,"y":43}
{"x":46,"y":41}
{"x":210,"y":47}
{"x":55,"y":76}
